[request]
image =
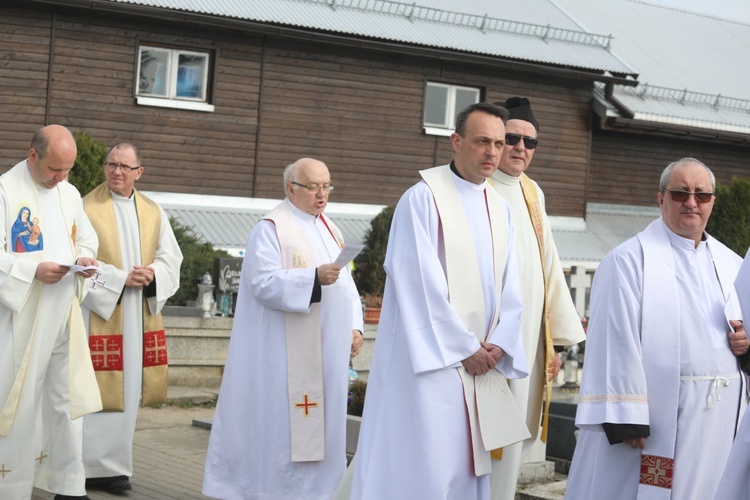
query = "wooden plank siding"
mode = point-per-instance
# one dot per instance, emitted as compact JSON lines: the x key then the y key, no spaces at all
{"x":625,"y":168}
{"x":275,"y":100}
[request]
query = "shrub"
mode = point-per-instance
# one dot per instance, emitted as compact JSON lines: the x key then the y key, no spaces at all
{"x":369,"y":274}
{"x":356,"y":401}
{"x":88,"y":170}
{"x":730,"y":219}
{"x":197,"y":258}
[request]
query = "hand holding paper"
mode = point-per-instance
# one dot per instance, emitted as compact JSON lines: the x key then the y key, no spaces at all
{"x":347,"y":254}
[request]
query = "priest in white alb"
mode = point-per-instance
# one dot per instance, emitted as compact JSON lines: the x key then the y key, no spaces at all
{"x":735,"y":481}
{"x":662,"y":391}
{"x":279,"y":431}
{"x":46,"y":378}
{"x":140,"y":269}
{"x":449,"y":334}
{"x":549,"y":316}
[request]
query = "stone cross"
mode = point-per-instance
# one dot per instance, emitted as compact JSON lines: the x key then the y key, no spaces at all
{"x":580,"y":282}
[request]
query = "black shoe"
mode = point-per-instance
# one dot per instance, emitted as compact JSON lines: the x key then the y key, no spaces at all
{"x":68,"y":497}
{"x":115,"y":484}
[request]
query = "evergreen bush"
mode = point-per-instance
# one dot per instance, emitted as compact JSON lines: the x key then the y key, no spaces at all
{"x":369,"y":274}
{"x":730,"y":219}
{"x":88,"y":170}
{"x":197,"y":258}
{"x":356,"y":401}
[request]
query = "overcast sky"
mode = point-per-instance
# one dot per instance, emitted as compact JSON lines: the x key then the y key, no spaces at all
{"x":738,"y":10}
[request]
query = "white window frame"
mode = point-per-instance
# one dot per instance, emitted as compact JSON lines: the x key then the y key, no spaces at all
{"x":446,"y":129}
{"x":171,"y":99}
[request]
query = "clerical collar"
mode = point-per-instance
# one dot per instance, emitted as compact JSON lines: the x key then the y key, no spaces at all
{"x":479,"y":186}
{"x":455,"y":170}
{"x":120,"y":197}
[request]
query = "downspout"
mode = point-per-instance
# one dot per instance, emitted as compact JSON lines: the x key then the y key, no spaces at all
{"x":48,"y":97}
{"x":609,"y":95}
{"x":254,"y":191}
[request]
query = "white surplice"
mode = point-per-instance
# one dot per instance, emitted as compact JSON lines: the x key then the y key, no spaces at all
{"x":657,"y":354}
{"x":249,"y":455}
{"x":414,"y":441}
{"x":735,"y":481}
{"x":42,"y":439}
{"x":108,"y":436}
{"x":565,"y":325}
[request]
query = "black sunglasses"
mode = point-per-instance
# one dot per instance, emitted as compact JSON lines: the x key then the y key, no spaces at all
{"x":528,"y":142}
{"x":679,"y":196}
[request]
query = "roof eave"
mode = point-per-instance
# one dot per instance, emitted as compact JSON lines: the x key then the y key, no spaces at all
{"x":344,"y":40}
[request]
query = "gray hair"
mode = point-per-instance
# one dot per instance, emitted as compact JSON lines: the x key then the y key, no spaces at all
{"x":290,"y":174}
{"x":126,"y":145}
{"x":667,"y":173}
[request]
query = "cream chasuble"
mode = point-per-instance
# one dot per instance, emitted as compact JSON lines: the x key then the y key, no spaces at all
{"x":21,"y":192}
{"x":43,"y":352}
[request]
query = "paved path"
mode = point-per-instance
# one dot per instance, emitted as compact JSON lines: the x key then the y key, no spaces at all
{"x":168,"y":452}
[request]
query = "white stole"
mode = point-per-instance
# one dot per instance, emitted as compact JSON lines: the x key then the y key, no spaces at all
{"x":660,"y":341}
{"x":494,"y":418}
{"x":303,"y":344}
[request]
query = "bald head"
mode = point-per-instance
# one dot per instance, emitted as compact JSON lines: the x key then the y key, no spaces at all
{"x":52,"y":154}
{"x":307,"y":184}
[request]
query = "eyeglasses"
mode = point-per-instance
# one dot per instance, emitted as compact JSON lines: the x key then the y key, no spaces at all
{"x":314,"y":188}
{"x":528,"y":142}
{"x":114,"y":166}
{"x":679,"y":196}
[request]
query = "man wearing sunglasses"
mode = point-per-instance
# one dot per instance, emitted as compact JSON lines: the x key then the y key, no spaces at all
{"x":662,"y":392}
{"x":543,"y":288}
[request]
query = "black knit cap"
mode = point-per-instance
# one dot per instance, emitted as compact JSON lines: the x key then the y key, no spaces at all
{"x":519,"y":108}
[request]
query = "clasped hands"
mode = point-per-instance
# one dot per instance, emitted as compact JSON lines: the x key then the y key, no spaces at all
{"x":140,"y":277}
{"x":484,"y":359}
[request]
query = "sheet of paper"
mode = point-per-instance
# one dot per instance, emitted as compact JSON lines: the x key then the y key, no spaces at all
{"x":348,"y":253}
{"x":72,"y":268}
{"x":742,"y":287}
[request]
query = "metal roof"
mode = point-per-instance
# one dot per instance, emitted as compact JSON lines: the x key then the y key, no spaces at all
{"x":692,"y":67}
{"x":538,"y":33}
{"x":226,"y":222}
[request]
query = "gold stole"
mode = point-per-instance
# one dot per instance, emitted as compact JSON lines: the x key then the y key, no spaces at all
{"x":303,"y":343}
{"x":105,"y":337}
{"x":532,"y":204}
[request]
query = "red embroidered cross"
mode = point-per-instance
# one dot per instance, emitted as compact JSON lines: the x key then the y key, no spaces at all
{"x":106,"y":352}
{"x":154,"y":349}
{"x":657,"y":471}
{"x":306,"y":405}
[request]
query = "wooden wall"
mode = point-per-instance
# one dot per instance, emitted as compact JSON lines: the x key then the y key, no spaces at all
{"x":276,"y":100}
{"x":625,"y":168}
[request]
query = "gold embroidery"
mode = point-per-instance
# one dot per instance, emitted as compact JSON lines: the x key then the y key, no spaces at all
{"x":299,"y":260}
{"x":614,"y":398}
